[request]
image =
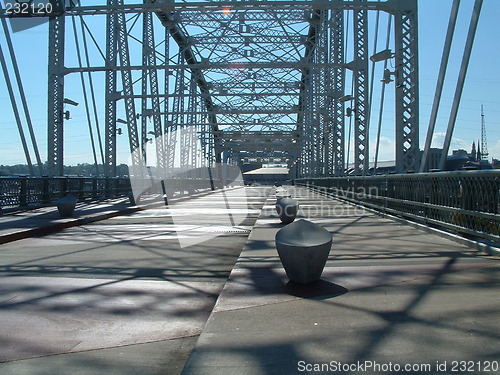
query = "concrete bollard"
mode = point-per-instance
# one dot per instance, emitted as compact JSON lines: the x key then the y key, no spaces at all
{"x":287,"y":209}
{"x":66,"y":206}
{"x":282,"y":193}
{"x":303,"y":248}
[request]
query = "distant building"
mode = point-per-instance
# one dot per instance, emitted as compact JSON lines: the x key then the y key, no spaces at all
{"x":473,"y":153}
{"x":495,"y":163}
{"x":266,"y":176}
{"x":433,"y":158}
{"x":460,"y":152}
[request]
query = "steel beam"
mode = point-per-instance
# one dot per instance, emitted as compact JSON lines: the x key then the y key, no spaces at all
{"x":111,"y":93}
{"x":407,"y":114}
{"x":361,"y":107}
{"x":55,"y":136}
{"x":336,"y":107}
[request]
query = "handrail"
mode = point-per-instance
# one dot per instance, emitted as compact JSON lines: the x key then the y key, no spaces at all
{"x":32,"y":192}
{"x":467,"y":202}
{"x":23,"y":192}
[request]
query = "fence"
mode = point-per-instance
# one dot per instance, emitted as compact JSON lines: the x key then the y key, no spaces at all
{"x":25,"y":192}
{"x":467,"y":202}
{"x":35,"y":191}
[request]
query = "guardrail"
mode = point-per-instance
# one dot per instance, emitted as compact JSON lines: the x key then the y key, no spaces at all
{"x":23,"y":192}
{"x":467,"y":202}
{"x":32,"y":192}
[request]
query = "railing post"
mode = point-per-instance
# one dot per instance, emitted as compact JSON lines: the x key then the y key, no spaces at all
{"x":94,"y":188}
{"x":81,"y":187}
{"x":65,"y":185}
{"x":107,"y":187}
{"x":23,"y":191}
{"x":45,"y":190}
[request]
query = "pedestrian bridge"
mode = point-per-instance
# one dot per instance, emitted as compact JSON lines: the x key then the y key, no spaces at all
{"x":115,"y":288}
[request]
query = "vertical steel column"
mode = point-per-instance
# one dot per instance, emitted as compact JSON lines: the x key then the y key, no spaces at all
{"x":361,"y":107}
{"x":149,"y":62}
{"x":128,"y":91}
{"x":143,"y":140}
{"x":193,"y":110}
{"x":168,"y":158}
{"x":336,"y":107}
{"x":55,"y":136}
{"x":406,"y":55}
{"x":322,"y":78}
{"x":111,"y":94}
{"x":176,"y":114}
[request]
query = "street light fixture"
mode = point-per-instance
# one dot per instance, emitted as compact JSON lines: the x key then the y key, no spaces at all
{"x":345,"y":98}
{"x":386,"y":54}
{"x":70,"y":102}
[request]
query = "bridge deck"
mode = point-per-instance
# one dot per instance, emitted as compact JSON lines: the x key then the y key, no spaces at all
{"x":389,"y":293}
{"x":120,"y":296}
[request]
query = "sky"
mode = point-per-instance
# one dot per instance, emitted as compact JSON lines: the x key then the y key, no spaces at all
{"x":482,"y":87}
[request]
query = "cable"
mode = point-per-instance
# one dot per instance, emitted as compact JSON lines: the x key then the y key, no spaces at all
{"x":84,"y":88}
{"x":382,"y":97}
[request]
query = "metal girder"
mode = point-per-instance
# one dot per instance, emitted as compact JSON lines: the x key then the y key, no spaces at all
{"x":110,"y":93}
{"x":407,"y":115}
{"x":254,"y":65}
{"x":55,"y":139}
{"x":124,"y":56}
{"x":170,"y":22}
{"x":149,"y":59}
{"x":361,"y":109}
{"x":187,"y":7}
{"x":336,"y":108}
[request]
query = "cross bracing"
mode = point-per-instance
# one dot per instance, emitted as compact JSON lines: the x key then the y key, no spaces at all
{"x":268,"y":68}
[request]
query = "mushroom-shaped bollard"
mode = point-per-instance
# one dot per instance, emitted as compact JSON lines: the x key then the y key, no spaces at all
{"x":303,"y":248}
{"x":66,"y":205}
{"x":287,"y":209}
{"x":282,"y":193}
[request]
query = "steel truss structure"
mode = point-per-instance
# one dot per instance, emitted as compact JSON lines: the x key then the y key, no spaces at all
{"x":239,"y":81}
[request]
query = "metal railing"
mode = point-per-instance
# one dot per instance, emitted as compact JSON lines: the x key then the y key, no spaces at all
{"x":24,"y":192}
{"x":467,"y":202}
{"x":32,"y":192}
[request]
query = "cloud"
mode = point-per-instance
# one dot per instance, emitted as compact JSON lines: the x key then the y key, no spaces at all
{"x":387,"y":149}
{"x":455,"y":144}
{"x":12,"y":154}
{"x":494,"y":150}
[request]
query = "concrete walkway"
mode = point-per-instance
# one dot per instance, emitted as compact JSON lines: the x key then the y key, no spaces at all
{"x":39,"y":221}
{"x":16,"y":225}
{"x":132,"y":294}
{"x":126,"y":295}
{"x":392,"y":299}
